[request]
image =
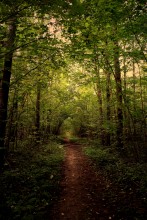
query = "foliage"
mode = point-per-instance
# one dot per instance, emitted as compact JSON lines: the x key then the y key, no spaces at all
{"x":67,"y":50}
{"x":126,"y":174}
{"x":102,"y":157}
{"x":30,"y":181}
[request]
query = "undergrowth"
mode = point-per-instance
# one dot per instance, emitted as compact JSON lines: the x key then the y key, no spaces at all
{"x":112,"y":164}
{"x":129,"y":177}
{"x":30,"y":181}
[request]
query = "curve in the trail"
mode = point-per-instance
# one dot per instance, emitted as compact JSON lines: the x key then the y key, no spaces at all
{"x":82,"y":196}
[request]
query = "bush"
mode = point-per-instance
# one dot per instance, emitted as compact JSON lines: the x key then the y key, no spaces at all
{"x":101,"y":157}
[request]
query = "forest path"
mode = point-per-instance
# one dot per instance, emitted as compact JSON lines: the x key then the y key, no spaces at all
{"x":82,"y":196}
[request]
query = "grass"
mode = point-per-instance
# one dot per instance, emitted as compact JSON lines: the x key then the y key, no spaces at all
{"x":30,"y":182}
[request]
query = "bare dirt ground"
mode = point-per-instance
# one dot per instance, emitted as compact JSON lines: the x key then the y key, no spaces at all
{"x":82,"y":195}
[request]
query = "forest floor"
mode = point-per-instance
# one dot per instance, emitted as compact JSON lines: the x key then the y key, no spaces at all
{"x":87,"y":194}
{"x":58,"y":181}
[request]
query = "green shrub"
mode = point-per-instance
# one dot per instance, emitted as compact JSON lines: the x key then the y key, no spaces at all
{"x":101,"y":157}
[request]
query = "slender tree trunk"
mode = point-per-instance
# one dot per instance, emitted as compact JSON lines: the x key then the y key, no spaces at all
{"x":143,"y":119}
{"x":99,"y":95}
{"x":108,"y":112}
{"x":134,"y":86}
{"x":134,"y":94}
{"x":4,"y":85}
{"x":117,"y":72}
{"x":11,"y":132}
{"x":48,"y":128}
{"x":127,"y":123}
{"x":100,"y":101}
{"x":14,"y":124}
{"x":125,"y":77}
{"x":108,"y":70}
{"x":38,"y":113}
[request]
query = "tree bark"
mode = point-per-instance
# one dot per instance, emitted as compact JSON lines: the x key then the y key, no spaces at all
{"x":117,"y":74}
{"x":38,"y":113}
{"x":100,"y":101}
{"x":4,"y":85}
{"x":107,"y":72}
{"x":11,"y":132}
{"x":108,"y":112}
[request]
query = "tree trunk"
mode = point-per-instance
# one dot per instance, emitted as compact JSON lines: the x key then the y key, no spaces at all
{"x":143,"y":118}
{"x":100,"y":101}
{"x":134,"y":94}
{"x":117,"y":74}
{"x":38,"y":113}
{"x":4,"y":85}
{"x":108,"y":112}
{"x":11,"y":132}
{"x":48,"y":128}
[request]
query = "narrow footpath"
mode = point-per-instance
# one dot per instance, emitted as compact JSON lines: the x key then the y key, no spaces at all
{"x":82,"y":196}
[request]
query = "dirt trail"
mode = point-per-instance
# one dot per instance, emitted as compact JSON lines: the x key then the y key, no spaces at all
{"x":82,"y":195}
